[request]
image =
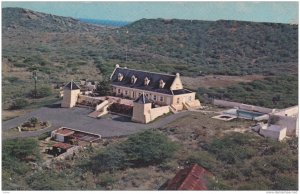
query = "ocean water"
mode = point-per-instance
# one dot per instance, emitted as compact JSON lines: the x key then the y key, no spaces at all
{"x":105,"y":22}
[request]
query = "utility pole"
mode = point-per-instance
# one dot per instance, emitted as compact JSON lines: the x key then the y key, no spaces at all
{"x":34,"y":77}
{"x":126,"y":46}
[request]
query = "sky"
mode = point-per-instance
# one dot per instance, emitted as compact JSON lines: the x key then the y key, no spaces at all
{"x":278,"y":12}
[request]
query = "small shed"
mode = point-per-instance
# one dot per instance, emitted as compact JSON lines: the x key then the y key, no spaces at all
{"x":276,"y":132}
{"x":61,"y":134}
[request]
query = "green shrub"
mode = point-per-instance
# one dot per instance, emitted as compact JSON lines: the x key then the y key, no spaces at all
{"x":41,"y":92}
{"x":106,"y":179}
{"x":19,"y":104}
{"x":141,"y":149}
{"x":286,"y":182}
{"x":104,"y":88}
{"x":44,"y":135}
{"x":21,"y":148}
{"x":203,"y":159}
{"x":148,"y":148}
{"x":13,"y":79}
{"x":111,"y":159}
{"x":33,"y":121}
{"x":46,"y":180}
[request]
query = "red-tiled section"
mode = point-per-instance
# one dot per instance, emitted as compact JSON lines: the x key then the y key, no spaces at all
{"x":64,"y":131}
{"x":62,"y":146}
{"x":192,"y":178}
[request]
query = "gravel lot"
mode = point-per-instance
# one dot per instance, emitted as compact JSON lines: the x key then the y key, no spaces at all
{"x":77,"y":118}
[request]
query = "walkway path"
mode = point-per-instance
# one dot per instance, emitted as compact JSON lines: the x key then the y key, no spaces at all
{"x":77,"y":118}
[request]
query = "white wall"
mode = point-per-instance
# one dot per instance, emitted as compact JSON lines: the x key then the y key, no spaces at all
{"x":225,"y":103}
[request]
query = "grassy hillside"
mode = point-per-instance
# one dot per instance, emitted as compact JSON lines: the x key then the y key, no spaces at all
{"x":62,"y":48}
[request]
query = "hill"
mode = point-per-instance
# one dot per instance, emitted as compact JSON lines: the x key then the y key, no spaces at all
{"x":25,"y":19}
{"x":63,"y":48}
{"x":222,"y":47}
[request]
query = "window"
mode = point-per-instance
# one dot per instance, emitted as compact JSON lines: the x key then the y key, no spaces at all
{"x":133,"y":79}
{"x":126,"y":92}
{"x":177,"y":100}
{"x":154,"y":97}
{"x":146,"y":81}
{"x":133,"y":94}
{"x":161,"y":98}
{"x":147,"y":95}
{"x":120,"y":77}
{"x":119,"y":91}
{"x":161,"y":83}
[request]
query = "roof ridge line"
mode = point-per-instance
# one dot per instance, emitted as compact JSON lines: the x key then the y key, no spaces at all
{"x":183,"y":182}
{"x":148,"y":71}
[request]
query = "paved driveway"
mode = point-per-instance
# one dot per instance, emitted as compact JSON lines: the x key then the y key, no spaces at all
{"x":108,"y":126}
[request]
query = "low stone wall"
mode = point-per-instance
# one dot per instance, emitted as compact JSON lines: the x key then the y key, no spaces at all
{"x":157,"y":112}
{"x":291,"y":111}
{"x":69,"y":153}
{"x":90,"y":99}
{"x":224,"y":103}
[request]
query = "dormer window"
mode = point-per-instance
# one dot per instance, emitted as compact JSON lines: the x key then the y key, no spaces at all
{"x":161,"y":83}
{"x":133,"y":79}
{"x":120,"y":77}
{"x":146,"y":81}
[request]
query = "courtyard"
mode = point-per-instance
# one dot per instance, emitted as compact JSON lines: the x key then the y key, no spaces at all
{"x":110,"y":125}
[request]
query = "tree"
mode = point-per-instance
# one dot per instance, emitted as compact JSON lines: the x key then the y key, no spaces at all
{"x":104,"y":88}
{"x":142,"y":149}
{"x":148,"y":148}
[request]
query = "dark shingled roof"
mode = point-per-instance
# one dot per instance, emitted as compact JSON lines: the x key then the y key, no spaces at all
{"x":72,"y":86}
{"x":142,"y":99}
{"x":141,"y":75}
{"x":181,"y":91}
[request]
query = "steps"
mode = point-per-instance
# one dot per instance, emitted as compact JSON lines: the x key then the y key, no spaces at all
{"x":173,"y":109}
{"x":101,"y":111}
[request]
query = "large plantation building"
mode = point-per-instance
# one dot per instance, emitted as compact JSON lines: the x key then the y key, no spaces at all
{"x":162,"y":89}
{"x":149,"y":95}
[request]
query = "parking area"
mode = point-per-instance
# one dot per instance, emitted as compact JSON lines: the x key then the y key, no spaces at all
{"x":77,"y":118}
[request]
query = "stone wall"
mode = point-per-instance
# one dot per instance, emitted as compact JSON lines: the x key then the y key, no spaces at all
{"x":291,"y":111}
{"x":157,"y":112}
{"x":224,"y":103}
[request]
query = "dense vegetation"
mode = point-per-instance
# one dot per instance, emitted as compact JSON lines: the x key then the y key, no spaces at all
{"x":140,"y":150}
{"x":221,"y":47}
{"x":272,"y":92}
{"x":264,"y":163}
{"x":16,"y":154}
{"x":239,"y":161}
{"x":143,"y":149}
